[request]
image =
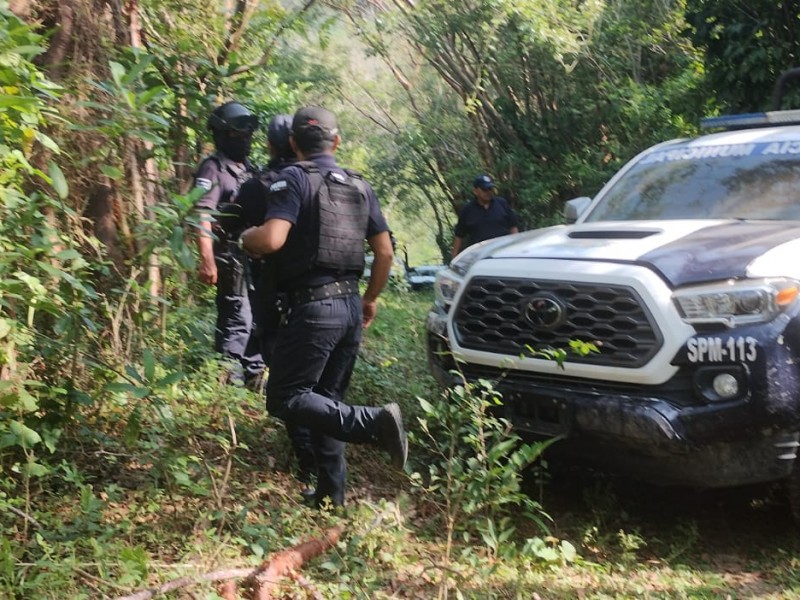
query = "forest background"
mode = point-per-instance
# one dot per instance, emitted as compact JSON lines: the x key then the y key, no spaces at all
{"x":105,"y":332}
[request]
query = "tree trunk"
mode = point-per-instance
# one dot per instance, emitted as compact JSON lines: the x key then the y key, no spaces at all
{"x":100,"y":213}
{"x":54,"y":58}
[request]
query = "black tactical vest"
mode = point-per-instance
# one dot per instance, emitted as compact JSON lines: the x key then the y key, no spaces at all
{"x":229,"y":178}
{"x":229,"y":222}
{"x":336,"y":241}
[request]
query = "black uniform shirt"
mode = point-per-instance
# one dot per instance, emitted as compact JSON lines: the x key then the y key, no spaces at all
{"x":252,"y":196}
{"x":476,"y":223}
{"x":291,"y":200}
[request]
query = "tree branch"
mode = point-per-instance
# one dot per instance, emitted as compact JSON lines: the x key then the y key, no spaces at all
{"x":265,"y":57}
{"x":263,"y":577}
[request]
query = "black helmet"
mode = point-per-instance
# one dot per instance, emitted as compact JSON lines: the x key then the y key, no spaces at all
{"x":232,"y":116}
{"x":278,"y":132}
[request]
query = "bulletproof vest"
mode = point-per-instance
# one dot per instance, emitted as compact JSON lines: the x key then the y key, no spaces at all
{"x":230,"y":179}
{"x":336,"y":241}
{"x":229,"y":220}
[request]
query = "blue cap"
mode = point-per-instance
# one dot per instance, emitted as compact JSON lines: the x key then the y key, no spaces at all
{"x":484,"y":182}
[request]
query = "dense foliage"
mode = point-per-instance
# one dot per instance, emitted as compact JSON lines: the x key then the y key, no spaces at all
{"x":105,"y":333}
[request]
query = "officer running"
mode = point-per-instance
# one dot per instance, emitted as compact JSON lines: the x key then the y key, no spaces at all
{"x":221,"y":263}
{"x":318,"y":217}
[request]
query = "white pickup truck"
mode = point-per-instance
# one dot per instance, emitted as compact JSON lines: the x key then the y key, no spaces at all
{"x":684,"y":272}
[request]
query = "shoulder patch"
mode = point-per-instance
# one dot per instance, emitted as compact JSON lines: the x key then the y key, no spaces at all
{"x":278,"y":186}
{"x":201,"y":182}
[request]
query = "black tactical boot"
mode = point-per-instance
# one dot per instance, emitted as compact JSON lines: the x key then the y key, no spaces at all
{"x":391,"y":436}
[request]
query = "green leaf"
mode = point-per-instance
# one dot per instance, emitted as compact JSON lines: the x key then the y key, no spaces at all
{"x":156,"y":119}
{"x":47,"y":142}
{"x":426,"y":406}
{"x":33,"y":469}
{"x":58,"y":180}
{"x":141,"y":392}
{"x":25,"y":436}
{"x":117,"y":72}
{"x":169,"y":379}
{"x":133,"y":373}
{"x":68,"y":254}
{"x":112,"y":172}
{"x":19,"y":102}
{"x":26,"y":401}
{"x":147,"y":136}
{"x":149,"y":364}
{"x":121,"y":388}
{"x":568,"y":551}
{"x":29,"y":51}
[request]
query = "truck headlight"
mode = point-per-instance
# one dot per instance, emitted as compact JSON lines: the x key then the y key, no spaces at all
{"x":464,"y":261}
{"x":446,"y":287}
{"x":736,"y":302}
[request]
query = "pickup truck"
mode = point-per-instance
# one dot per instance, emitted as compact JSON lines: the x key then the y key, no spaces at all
{"x":683,"y":273}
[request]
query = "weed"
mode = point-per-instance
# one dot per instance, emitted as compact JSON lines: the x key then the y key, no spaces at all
{"x":474,"y":475}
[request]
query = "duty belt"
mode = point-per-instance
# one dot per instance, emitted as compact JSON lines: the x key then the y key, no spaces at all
{"x":335,"y":289}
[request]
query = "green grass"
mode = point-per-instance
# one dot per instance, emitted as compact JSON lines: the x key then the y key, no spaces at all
{"x":208,"y":485}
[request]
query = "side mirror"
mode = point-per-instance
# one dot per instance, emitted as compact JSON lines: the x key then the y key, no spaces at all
{"x":575,"y":207}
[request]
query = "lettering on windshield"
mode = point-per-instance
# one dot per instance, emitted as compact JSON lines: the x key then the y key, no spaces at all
{"x":723,"y":151}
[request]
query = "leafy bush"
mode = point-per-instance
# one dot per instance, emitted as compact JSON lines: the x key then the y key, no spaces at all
{"x":474,"y":476}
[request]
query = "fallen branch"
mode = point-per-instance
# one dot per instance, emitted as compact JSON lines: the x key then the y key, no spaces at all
{"x":263,"y":578}
{"x":24,"y":515}
{"x":177,"y":584}
{"x":283,"y":563}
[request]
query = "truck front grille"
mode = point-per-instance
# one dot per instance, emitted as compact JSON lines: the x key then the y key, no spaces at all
{"x":512,"y":316}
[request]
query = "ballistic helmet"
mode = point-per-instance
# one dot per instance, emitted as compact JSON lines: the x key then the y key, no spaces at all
{"x":232,"y":116}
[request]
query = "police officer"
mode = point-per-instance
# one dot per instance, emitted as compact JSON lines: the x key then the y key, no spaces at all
{"x":221,"y":263}
{"x":318,"y":217}
{"x":252,"y":199}
{"x":485,"y":217}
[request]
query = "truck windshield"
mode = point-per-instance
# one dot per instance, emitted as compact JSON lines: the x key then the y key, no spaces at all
{"x":740,"y":181}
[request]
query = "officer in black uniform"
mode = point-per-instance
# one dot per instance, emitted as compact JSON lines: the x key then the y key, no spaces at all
{"x":485,"y":217}
{"x":221,"y":262}
{"x":318,"y":217}
{"x":252,"y":200}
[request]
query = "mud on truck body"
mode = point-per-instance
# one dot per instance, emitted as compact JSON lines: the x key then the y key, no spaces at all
{"x":684,"y":271}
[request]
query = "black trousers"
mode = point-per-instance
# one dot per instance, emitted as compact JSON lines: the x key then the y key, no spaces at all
{"x":315,"y":352}
{"x":234,"y":328}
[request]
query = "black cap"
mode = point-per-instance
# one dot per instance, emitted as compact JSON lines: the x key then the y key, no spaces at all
{"x":280,"y":126}
{"x":484,"y":182}
{"x":313,"y":119}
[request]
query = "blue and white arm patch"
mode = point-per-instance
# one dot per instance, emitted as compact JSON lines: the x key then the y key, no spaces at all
{"x":278,"y":186}
{"x":201,"y":182}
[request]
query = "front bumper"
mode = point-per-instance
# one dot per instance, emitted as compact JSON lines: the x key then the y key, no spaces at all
{"x":667,"y":433}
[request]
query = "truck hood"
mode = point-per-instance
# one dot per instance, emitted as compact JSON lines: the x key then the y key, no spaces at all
{"x":681,"y":252}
